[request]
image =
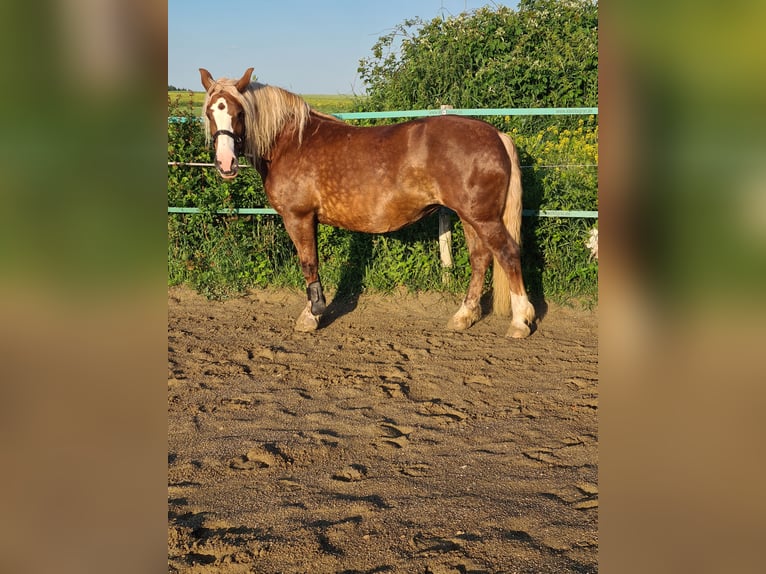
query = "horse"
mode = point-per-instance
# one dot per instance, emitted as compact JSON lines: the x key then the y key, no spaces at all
{"x":316,"y":168}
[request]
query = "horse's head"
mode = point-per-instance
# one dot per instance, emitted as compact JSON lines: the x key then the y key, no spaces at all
{"x":226,"y":119}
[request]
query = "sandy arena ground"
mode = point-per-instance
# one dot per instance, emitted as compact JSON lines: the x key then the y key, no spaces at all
{"x":381,"y":443}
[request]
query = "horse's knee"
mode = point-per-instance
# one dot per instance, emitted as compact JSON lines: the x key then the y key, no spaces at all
{"x":316,"y":298}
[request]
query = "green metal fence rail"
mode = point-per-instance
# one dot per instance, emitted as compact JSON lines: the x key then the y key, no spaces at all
{"x":443,"y":111}
{"x":447,"y":111}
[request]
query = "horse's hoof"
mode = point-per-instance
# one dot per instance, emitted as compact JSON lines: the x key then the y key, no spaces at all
{"x":519,"y":331}
{"x":464,"y":318}
{"x":307,"y":321}
{"x":455,"y":324}
{"x":307,"y":324}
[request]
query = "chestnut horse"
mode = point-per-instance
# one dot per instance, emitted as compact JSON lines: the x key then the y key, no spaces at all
{"x":316,"y":168}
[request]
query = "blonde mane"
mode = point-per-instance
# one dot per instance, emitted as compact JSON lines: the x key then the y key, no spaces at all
{"x":268,"y":110}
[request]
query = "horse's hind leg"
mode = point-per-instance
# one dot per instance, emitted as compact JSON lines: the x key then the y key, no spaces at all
{"x":303,"y":233}
{"x":480,"y":256}
{"x":508,"y":255}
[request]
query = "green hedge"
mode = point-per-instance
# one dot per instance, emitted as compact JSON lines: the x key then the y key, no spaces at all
{"x":221,"y":255}
{"x":557,"y":263}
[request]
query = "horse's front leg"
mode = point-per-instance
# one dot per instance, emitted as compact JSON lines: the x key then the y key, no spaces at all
{"x":303,"y":233}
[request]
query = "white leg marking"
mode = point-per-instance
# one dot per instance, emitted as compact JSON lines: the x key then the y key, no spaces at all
{"x":523,"y":316}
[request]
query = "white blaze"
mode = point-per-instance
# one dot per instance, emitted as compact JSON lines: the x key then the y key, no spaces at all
{"x":224,"y":150}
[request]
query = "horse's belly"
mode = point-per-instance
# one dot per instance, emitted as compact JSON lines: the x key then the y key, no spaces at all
{"x":371,"y":217}
{"x":375,"y":200}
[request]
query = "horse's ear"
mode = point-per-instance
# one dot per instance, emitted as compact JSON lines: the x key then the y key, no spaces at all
{"x":207,"y":79}
{"x":244,"y":81}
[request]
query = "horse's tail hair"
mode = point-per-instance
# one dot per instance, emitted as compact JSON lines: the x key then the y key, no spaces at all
{"x":501,"y":287}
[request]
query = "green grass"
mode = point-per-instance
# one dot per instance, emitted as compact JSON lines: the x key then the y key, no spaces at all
{"x":326,"y":103}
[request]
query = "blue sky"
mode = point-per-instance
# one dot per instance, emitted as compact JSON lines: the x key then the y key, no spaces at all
{"x":303,"y":46}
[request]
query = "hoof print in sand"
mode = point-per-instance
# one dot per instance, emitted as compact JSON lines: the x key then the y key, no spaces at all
{"x":351,"y":473}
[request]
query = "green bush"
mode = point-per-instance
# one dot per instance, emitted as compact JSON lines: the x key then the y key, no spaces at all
{"x":560,"y":173}
{"x":544,"y":54}
{"x":216,"y":254}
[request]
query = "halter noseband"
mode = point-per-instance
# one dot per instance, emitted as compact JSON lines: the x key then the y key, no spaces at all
{"x":238,"y":141}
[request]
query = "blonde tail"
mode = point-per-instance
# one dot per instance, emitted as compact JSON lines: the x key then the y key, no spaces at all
{"x":501,"y":287}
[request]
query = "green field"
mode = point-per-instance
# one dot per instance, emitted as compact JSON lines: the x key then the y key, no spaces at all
{"x":321,"y":102}
{"x":331,"y":104}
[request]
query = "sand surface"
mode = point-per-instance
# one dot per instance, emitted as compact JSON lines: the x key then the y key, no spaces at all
{"x":380,"y":443}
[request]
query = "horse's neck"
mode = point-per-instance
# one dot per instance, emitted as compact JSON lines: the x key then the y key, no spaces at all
{"x":286,"y":139}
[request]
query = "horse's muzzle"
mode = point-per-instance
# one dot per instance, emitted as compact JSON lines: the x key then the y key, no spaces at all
{"x":228,"y":173}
